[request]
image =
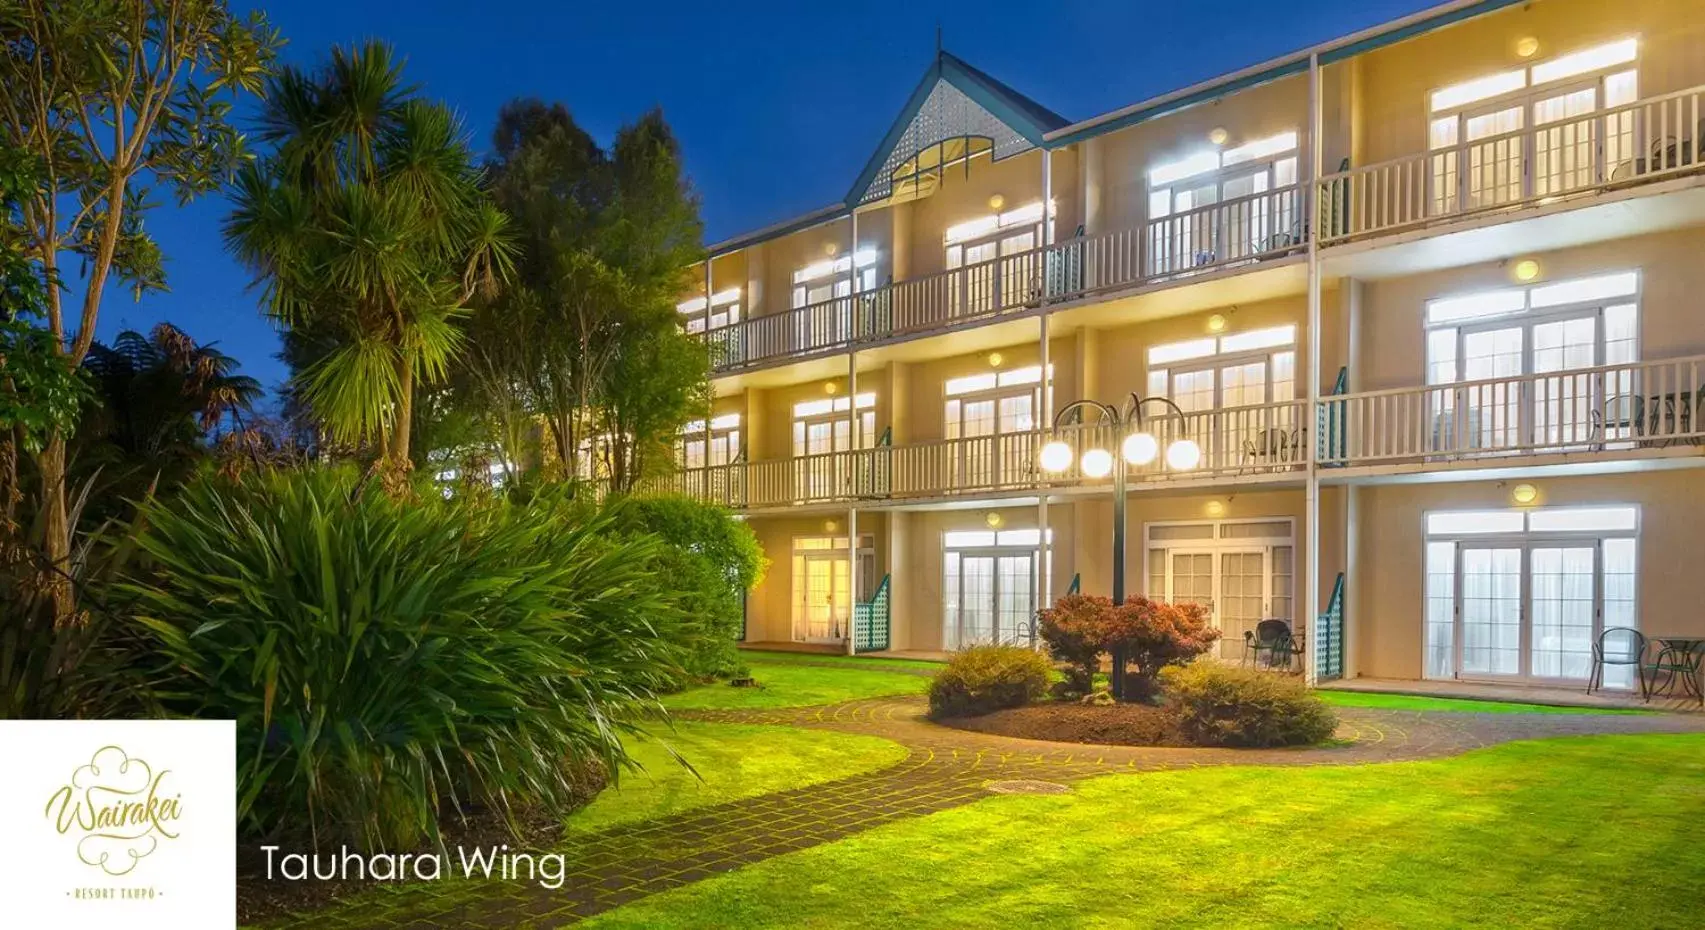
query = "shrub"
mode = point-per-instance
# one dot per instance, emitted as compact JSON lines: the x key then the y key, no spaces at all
{"x":1073,"y":630}
{"x":1079,"y":628}
{"x":1220,"y":705}
{"x":983,"y":679}
{"x":710,"y":561}
{"x":1154,"y":635}
{"x":390,"y":663}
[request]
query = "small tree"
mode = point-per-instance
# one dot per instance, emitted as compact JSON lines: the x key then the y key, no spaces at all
{"x":1154,"y":635}
{"x":1080,"y":628}
{"x":1072,"y":628}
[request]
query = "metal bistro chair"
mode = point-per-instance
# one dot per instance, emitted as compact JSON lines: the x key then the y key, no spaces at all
{"x":1618,"y":645}
{"x":1621,"y":412}
{"x":1270,"y":640}
{"x":1676,"y":662}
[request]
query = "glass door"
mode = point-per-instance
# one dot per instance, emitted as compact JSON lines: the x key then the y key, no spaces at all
{"x":1491,"y":412}
{"x":988,"y":285}
{"x":1565,"y":146}
{"x":1489,"y":608}
{"x":823,"y":602}
{"x":994,"y":598}
{"x":981,"y":458}
{"x":1496,"y":167}
{"x":1563,"y":403}
{"x":1560,"y":585}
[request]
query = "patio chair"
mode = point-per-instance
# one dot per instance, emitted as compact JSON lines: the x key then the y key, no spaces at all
{"x":1270,"y":640}
{"x":1621,"y":412}
{"x":1675,"y":664}
{"x":1618,"y":645}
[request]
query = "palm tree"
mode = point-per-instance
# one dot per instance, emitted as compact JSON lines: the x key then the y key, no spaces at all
{"x":368,"y":232}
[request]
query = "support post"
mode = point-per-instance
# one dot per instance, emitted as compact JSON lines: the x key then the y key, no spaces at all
{"x":1311,"y":548}
{"x":854,"y":440}
{"x":1046,"y":396}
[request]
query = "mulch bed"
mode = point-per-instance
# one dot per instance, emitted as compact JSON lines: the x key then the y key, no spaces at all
{"x":1111,"y":725}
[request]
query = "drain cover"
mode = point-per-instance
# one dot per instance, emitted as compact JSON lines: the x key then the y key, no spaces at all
{"x":1026,"y":786}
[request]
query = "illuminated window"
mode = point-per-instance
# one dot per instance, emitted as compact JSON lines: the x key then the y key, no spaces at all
{"x":826,"y":280}
{"x":724,"y":310}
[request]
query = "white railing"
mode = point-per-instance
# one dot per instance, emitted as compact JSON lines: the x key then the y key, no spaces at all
{"x":1645,"y":140}
{"x":1235,"y":441}
{"x":1234,"y":231}
{"x":1606,"y":408}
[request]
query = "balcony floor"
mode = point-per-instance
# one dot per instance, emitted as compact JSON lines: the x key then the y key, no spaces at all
{"x":1526,"y":694}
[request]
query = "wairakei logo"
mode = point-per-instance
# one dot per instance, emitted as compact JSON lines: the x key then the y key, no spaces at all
{"x":121,"y":809}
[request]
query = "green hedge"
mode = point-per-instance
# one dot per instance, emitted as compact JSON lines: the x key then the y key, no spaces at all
{"x":982,"y":679}
{"x":1222,"y":705}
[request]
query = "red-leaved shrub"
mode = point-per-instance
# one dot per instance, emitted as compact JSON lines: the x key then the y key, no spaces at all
{"x":1079,"y":628}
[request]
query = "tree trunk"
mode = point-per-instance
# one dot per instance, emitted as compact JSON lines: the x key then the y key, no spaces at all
{"x":56,"y":535}
{"x":400,"y":437}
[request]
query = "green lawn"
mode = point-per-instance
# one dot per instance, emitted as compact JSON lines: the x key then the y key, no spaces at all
{"x":821,"y":658}
{"x":791,"y":684}
{"x":732,"y":761}
{"x":1581,"y":832}
{"x":1457,"y":705}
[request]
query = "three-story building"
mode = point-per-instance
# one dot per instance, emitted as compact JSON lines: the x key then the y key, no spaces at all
{"x":1423,"y":298}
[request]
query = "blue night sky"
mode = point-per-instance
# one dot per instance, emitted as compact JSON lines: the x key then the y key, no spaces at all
{"x":778,"y":105}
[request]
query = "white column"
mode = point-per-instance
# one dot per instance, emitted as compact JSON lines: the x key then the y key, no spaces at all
{"x":854,"y":441}
{"x":1046,"y":414}
{"x":1311,"y":548}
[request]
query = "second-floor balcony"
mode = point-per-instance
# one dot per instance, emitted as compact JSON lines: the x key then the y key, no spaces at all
{"x":1648,"y":140}
{"x":1252,"y":228}
{"x":1597,"y":415}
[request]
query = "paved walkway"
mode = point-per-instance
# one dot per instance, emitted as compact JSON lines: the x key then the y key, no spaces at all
{"x":945,"y":768}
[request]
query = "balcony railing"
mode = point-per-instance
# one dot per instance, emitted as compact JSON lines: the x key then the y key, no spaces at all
{"x":1234,"y":231}
{"x":1262,"y":439}
{"x":1606,"y":408}
{"x":1646,"y":140}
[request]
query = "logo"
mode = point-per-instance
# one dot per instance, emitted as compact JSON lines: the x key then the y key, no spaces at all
{"x":120,"y":808}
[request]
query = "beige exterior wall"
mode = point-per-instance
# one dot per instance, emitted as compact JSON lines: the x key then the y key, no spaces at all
{"x":1385,"y":599}
{"x":1393,"y":352}
{"x":1391,"y":107}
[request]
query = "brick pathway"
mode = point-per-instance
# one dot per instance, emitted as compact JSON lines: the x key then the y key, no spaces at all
{"x":945,"y":768}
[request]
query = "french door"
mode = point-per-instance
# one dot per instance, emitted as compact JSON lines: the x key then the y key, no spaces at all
{"x":992,"y":598}
{"x":823,"y":592}
{"x":1551,"y":411}
{"x":822,"y":473}
{"x":980,"y":458}
{"x":1527,"y":610}
{"x":986,"y":285}
{"x":1239,"y":586}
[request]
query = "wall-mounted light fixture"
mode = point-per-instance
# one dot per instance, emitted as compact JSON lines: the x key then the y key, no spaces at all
{"x":830,"y":248}
{"x":830,"y":526}
{"x":1526,"y":270}
{"x":1218,"y":135}
{"x":995,"y":359}
{"x":1215,"y":508}
{"x":1216,"y":323}
{"x":993,"y":520}
{"x":1527,"y":46}
{"x":830,"y":387}
{"x":1524,"y":494}
{"x":996,"y":201}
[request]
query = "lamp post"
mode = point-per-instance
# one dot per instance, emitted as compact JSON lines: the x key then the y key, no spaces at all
{"x":1137,"y":447}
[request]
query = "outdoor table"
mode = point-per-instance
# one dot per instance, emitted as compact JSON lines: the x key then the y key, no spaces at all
{"x":1689,"y":652}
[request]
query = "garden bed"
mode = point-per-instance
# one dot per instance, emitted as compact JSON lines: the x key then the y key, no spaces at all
{"x":1108,"y":725}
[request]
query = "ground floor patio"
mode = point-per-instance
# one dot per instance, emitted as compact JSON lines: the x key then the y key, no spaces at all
{"x":968,"y":829}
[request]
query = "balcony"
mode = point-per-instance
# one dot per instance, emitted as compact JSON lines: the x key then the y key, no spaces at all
{"x":1619,"y":411}
{"x":1642,"y":142}
{"x":1232,"y":232}
{"x":1265,"y":440}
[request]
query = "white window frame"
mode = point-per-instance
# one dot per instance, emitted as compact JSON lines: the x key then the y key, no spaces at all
{"x":836,"y":275}
{"x":1218,"y":544}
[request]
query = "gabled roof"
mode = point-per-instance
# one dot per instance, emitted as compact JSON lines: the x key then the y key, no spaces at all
{"x":954,"y":101}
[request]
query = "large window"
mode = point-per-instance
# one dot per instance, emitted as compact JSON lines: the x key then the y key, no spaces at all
{"x":1241,"y":570}
{"x":990,"y":580}
{"x":1495,"y":341}
{"x":724,"y":311}
{"x":826,"y":280}
{"x":1184,"y":233}
{"x":1514,"y":595}
{"x":822,"y":586}
{"x":821,"y":427}
{"x":1239,"y":383}
{"x":1483,"y":155}
{"x":974,"y":244}
{"x":985,"y":409}
{"x":700,"y":447}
